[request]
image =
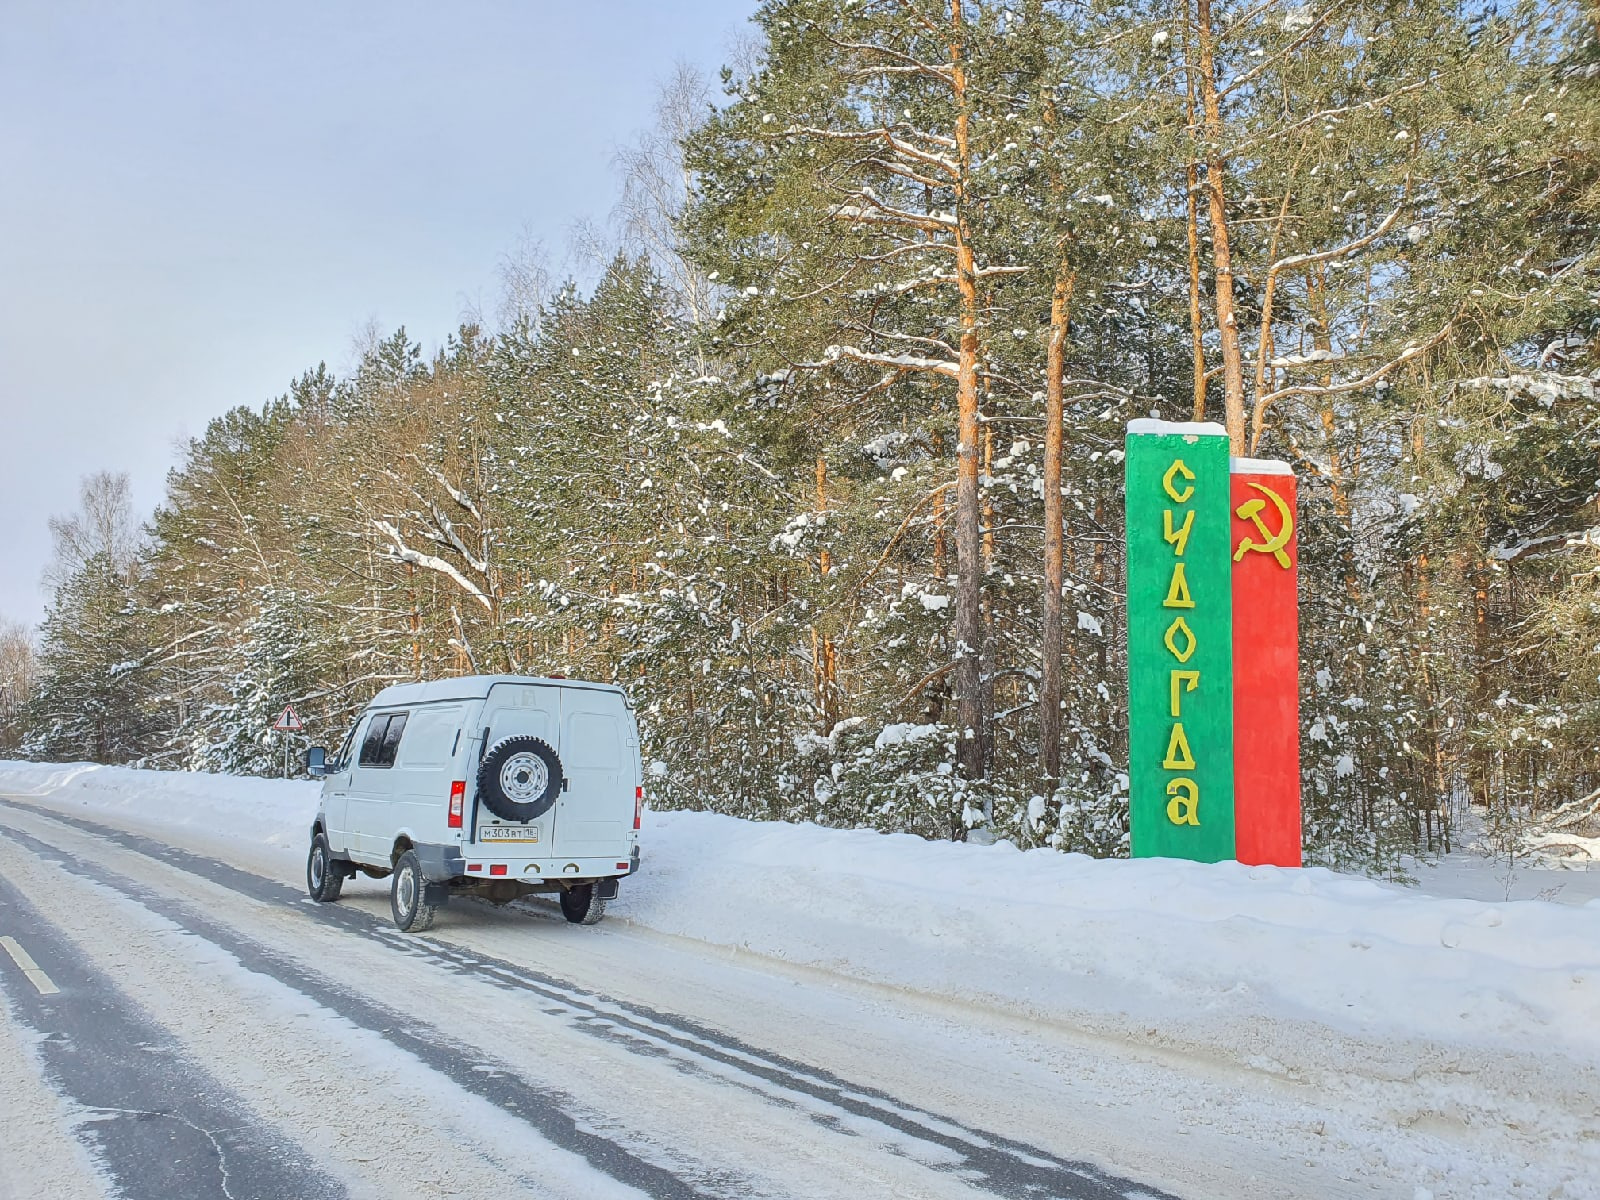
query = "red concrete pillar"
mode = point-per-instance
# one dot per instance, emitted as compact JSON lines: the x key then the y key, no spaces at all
{"x":1266,"y":664}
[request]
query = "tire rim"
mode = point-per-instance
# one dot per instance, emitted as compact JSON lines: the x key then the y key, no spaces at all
{"x":406,"y":891}
{"x":524,"y":778}
{"x":316,"y":868}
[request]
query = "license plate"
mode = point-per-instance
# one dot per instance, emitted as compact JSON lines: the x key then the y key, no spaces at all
{"x":508,"y":833}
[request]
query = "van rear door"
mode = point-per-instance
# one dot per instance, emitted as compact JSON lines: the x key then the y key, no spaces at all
{"x":520,"y":710}
{"x":599,"y":752}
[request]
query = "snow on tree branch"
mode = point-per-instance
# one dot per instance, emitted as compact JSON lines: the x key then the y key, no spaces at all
{"x":398,"y":551}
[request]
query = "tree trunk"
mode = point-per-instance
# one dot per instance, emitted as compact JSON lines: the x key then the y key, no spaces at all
{"x":1052,"y":639}
{"x":1191,"y":179}
{"x":1338,"y":490}
{"x":823,"y":653}
{"x":969,"y":550}
{"x":1227,"y":323}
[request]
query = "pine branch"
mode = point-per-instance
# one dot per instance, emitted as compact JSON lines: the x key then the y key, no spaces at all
{"x":949,"y":166}
{"x":900,"y":362}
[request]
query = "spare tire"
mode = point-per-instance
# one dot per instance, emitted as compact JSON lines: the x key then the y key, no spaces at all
{"x":520,"y":778}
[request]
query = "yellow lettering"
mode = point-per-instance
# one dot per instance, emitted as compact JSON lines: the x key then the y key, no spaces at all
{"x":1178,"y":590}
{"x":1179,"y":756}
{"x":1180,"y":626}
{"x":1178,"y":467}
{"x":1179,"y":537}
{"x":1190,"y":680}
{"x":1184,"y":808}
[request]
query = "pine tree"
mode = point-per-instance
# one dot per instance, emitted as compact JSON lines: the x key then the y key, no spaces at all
{"x":92,"y":697}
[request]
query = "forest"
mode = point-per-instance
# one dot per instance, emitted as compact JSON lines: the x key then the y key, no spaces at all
{"x":821,"y":459}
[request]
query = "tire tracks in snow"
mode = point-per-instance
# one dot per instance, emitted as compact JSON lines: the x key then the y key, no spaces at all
{"x":988,"y":1162}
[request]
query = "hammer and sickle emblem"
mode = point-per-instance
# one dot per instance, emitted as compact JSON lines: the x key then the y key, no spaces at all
{"x":1270,"y":543}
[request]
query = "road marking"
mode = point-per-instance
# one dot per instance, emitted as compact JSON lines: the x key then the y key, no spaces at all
{"x":29,"y":968}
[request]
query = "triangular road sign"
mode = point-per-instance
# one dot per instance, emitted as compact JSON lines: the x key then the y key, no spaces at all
{"x":288,"y":720}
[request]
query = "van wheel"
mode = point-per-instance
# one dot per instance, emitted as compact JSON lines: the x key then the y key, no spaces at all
{"x":581,"y":906}
{"x":519,"y":778}
{"x":324,"y":880}
{"x":411,"y":914}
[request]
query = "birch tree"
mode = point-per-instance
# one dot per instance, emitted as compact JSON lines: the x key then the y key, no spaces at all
{"x":103,"y":526}
{"x":656,"y":185}
{"x":17,"y":670}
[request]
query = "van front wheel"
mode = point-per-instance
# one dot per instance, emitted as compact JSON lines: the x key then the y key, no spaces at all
{"x":412,"y":914}
{"x":581,"y":906}
{"x":324,"y":879}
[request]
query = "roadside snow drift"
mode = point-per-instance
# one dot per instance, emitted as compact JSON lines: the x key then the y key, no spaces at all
{"x":1183,"y":948}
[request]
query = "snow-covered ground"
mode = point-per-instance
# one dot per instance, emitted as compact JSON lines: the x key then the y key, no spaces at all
{"x":1206,"y":954}
{"x":1482,"y":876}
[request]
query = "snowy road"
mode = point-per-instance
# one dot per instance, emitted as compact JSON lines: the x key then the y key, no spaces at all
{"x":214,"y":1033}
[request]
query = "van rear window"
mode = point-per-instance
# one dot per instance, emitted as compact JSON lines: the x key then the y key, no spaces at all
{"x":383,"y":740}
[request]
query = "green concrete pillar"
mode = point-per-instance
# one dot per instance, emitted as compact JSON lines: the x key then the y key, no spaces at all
{"x":1180,"y":642}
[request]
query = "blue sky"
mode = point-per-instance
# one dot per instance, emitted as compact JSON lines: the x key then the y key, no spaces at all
{"x":200,"y":200}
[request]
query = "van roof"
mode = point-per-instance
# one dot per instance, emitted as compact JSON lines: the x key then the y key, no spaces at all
{"x":474,"y":687}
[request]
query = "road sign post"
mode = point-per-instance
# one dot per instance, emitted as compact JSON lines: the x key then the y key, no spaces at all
{"x":288,"y":724}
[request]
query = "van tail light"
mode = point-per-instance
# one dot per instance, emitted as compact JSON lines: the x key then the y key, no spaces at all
{"x":458,"y":802}
{"x":638,"y":804}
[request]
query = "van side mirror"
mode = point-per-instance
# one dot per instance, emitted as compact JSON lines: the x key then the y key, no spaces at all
{"x":316,"y":762}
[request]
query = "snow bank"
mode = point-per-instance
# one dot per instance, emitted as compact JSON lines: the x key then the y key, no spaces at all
{"x":270,"y":812}
{"x":1155,"y":941}
{"x":1173,"y":945}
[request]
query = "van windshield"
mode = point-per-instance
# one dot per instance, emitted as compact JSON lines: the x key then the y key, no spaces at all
{"x":342,"y":759}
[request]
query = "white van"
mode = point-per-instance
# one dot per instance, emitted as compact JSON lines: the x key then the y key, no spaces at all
{"x":497,"y":786}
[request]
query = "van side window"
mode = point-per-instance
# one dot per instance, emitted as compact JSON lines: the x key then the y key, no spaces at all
{"x":391,"y":740}
{"x":383,"y":739}
{"x":372,"y":744}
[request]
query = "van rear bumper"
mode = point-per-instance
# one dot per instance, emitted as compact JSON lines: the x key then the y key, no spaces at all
{"x":533,"y":870}
{"x":442,"y":863}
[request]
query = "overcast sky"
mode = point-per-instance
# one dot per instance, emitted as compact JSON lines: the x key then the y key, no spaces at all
{"x":200,"y":200}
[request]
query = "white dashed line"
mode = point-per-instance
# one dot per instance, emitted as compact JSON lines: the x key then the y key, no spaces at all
{"x":29,"y":968}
